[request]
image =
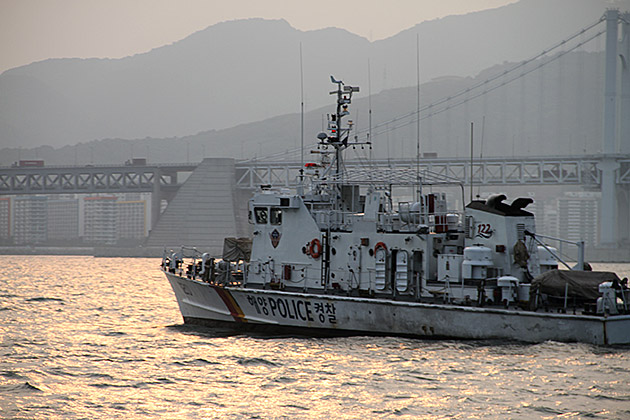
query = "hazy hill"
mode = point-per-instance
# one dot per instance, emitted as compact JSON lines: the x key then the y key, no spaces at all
{"x":244,"y":71}
{"x":556,"y":111}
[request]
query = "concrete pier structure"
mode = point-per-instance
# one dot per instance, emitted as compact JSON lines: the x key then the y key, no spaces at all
{"x":207,"y":208}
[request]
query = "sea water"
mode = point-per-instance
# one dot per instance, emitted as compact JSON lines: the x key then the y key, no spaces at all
{"x":100,"y":338}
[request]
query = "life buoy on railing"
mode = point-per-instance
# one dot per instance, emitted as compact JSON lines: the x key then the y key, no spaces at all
{"x":380,"y":245}
{"x":315,"y":249}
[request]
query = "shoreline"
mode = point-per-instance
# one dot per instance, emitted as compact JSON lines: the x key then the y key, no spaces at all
{"x":594,"y":255}
{"x":121,"y":252}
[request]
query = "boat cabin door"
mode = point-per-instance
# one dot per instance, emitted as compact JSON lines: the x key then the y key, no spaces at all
{"x":380,"y":278}
{"x":402,"y":272}
{"x":406,"y":272}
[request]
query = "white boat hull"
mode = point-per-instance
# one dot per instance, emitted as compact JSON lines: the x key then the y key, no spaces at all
{"x":201,"y":302}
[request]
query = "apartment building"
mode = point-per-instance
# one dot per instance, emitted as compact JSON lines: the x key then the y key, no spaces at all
{"x":99,"y":220}
{"x":30,"y":221}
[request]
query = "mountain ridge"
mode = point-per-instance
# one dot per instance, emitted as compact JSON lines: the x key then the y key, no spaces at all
{"x":507,"y":123}
{"x":243,"y":71}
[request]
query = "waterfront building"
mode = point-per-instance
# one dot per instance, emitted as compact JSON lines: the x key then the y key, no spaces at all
{"x":30,"y":225}
{"x":578,"y":215}
{"x":99,"y":220}
{"x":63,"y":219}
{"x":132,"y":217}
{"x":5,"y":219}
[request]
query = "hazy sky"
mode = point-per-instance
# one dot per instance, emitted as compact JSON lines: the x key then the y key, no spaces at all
{"x":33,"y":30}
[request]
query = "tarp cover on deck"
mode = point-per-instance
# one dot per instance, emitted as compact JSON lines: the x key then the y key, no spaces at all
{"x":235,"y":249}
{"x":582,"y":284}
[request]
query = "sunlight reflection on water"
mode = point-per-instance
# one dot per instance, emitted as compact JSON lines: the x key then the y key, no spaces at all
{"x":91,"y":338}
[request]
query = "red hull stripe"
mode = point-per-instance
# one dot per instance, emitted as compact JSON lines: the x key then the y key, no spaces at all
{"x":232,"y":305}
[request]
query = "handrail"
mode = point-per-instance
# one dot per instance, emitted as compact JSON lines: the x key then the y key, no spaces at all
{"x":579,"y":244}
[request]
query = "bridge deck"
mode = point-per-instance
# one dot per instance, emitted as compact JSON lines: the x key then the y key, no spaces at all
{"x":552,"y":170}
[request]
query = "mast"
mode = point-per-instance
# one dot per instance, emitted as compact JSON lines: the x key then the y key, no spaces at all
{"x":339,"y":135}
{"x":369,"y":134}
{"x":419,"y":188}
{"x":471,"y":161}
{"x":483,"y":132}
{"x":301,"y":188}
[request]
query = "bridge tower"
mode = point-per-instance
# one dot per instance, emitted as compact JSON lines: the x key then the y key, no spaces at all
{"x":623,"y":190}
{"x":614,"y":204}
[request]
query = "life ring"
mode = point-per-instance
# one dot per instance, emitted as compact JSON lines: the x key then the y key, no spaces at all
{"x":315,"y":249}
{"x":380,"y":245}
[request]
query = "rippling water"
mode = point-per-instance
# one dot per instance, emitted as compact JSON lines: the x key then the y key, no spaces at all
{"x":86,"y":338}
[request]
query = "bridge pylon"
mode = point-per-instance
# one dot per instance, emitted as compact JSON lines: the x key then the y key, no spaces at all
{"x":614,"y":213}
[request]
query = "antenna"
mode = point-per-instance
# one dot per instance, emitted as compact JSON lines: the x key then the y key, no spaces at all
{"x":471,"y":161}
{"x":369,"y":140}
{"x":419,"y":191}
{"x":301,"y":123}
{"x":483,"y":133}
{"x":339,"y":134}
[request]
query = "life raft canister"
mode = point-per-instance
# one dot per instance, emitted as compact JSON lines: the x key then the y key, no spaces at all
{"x":315,"y":248}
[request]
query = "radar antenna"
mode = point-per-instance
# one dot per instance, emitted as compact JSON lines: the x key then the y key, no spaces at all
{"x":338,"y":133}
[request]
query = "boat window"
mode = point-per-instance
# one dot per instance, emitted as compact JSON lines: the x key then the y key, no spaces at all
{"x":275,"y":216}
{"x":261,"y":215}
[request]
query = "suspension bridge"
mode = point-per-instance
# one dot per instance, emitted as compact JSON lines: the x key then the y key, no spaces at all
{"x":608,"y":170}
